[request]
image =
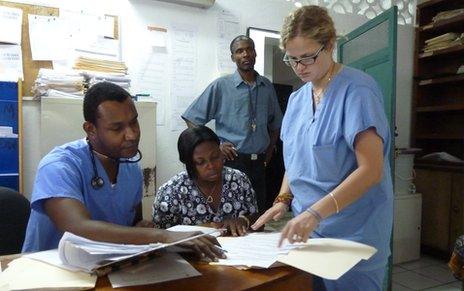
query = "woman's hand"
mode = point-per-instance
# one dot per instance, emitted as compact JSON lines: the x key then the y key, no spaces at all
{"x":299,"y":228}
{"x":206,"y":247}
{"x":235,"y":226}
{"x":228,"y":150}
{"x":275,"y":212}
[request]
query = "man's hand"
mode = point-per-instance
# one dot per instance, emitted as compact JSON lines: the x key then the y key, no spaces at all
{"x":206,"y":247}
{"x":275,"y":212}
{"x":229,"y":151}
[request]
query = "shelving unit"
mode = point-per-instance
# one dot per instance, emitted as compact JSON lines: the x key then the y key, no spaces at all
{"x":438,"y":126}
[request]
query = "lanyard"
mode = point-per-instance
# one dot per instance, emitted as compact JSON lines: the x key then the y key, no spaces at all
{"x":251,"y":108}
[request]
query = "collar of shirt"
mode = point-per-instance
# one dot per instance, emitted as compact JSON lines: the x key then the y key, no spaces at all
{"x":238,"y":79}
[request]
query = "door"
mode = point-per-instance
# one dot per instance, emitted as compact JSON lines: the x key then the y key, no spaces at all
{"x":372,"y":49}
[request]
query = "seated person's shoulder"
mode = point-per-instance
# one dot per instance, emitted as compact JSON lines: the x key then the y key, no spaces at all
{"x":69,"y":153}
{"x":176,"y":181}
{"x":234,"y":174}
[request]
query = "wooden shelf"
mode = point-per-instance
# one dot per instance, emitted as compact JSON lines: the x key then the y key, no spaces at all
{"x":441,"y":80}
{"x":442,"y":136}
{"x":445,"y":51}
{"x":440,"y":108}
{"x":429,"y":3}
{"x":445,"y":24}
{"x":439,"y":165}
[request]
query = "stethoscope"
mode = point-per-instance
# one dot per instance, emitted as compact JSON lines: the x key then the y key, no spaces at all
{"x":97,"y":182}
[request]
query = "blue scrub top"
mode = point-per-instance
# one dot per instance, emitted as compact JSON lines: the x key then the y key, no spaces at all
{"x":66,"y":172}
{"x":227,"y":101}
{"x":319,"y":154}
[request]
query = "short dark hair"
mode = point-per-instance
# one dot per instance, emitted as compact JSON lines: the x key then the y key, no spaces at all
{"x":189,"y":139}
{"x":241,"y":38}
{"x":97,"y":94}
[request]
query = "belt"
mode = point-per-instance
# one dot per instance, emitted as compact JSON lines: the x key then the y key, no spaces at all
{"x":252,"y":157}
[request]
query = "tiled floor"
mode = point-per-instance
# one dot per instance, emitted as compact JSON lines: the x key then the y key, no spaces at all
{"x":425,"y":274}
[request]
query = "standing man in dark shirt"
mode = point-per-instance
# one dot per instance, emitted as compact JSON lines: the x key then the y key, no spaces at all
{"x":247,"y":116}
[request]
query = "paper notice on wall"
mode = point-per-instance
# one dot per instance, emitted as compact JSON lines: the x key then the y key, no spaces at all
{"x":11,"y":63}
{"x":158,"y":36}
{"x":228,"y":29}
{"x":47,"y":31}
{"x":10,"y":23}
{"x":150,"y":81}
{"x":184,"y":71}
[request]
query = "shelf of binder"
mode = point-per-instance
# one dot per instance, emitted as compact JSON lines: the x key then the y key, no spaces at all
{"x":98,"y":65}
{"x":9,"y":136}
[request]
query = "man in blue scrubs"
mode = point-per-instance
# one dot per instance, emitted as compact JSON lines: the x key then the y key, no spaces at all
{"x":92,"y":188}
{"x":247,"y":115}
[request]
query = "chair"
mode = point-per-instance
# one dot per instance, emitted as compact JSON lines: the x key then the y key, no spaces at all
{"x":14,"y":215}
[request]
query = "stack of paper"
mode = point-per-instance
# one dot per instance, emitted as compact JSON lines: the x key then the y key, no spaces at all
{"x":443,"y":15}
{"x":93,"y":78}
{"x":98,"y":65}
{"x":89,"y":255}
{"x":443,"y":41}
{"x":327,"y":258}
{"x":59,"y":82}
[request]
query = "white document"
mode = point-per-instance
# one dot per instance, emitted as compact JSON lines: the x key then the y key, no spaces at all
{"x":228,"y":27}
{"x":257,"y":249}
{"x":158,"y":37}
{"x":25,"y":273}
{"x":328,"y":258}
{"x":108,"y":27}
{"x":7,"y":132}
{"x":168,"y":267}
{"x":87,"y":254}
{"x":46,"y":31}
{"x":150,"y":75}
{"x":10,"y":23}
{"x":11,"y":63}
{"x":204,"y":229}
{"x":184,"y":71}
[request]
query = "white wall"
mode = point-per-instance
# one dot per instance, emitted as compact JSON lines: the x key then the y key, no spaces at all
{"x":135,"y":15}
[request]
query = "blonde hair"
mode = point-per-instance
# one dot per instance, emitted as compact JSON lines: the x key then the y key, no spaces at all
{"x":308,"y":21}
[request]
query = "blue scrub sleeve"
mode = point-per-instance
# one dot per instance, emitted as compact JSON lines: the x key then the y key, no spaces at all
{"x":203,"y":109}
{"x":56,"y":179}
{"x":363,"y":110}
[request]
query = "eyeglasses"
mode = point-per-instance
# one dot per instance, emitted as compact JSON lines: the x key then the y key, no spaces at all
{"x":292,"y":62}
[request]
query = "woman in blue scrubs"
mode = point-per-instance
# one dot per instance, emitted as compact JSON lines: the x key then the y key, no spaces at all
{"x":336,"y":142}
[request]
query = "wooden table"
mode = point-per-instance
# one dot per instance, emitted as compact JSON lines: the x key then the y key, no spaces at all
{"x":220,"y":278}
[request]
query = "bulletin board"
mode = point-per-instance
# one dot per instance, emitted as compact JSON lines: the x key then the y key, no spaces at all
{"x":30,"y":67}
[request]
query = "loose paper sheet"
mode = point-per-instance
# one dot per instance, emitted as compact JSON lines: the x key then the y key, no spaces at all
{"x":42,"y":275}
{"x":11,"y":63}
{"x":47,"y":31}
{"x":10,"y":23}
{"x":327,"y":258}
{"x":168,"y":267}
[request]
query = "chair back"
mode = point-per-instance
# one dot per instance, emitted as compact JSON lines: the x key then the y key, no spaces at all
{"x":14,"y":215}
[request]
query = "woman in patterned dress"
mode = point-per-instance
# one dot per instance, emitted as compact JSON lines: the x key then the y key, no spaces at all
{"x":207,"y":193}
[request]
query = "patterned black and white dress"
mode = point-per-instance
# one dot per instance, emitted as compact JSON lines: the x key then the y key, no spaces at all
{"x":179,"y":201}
